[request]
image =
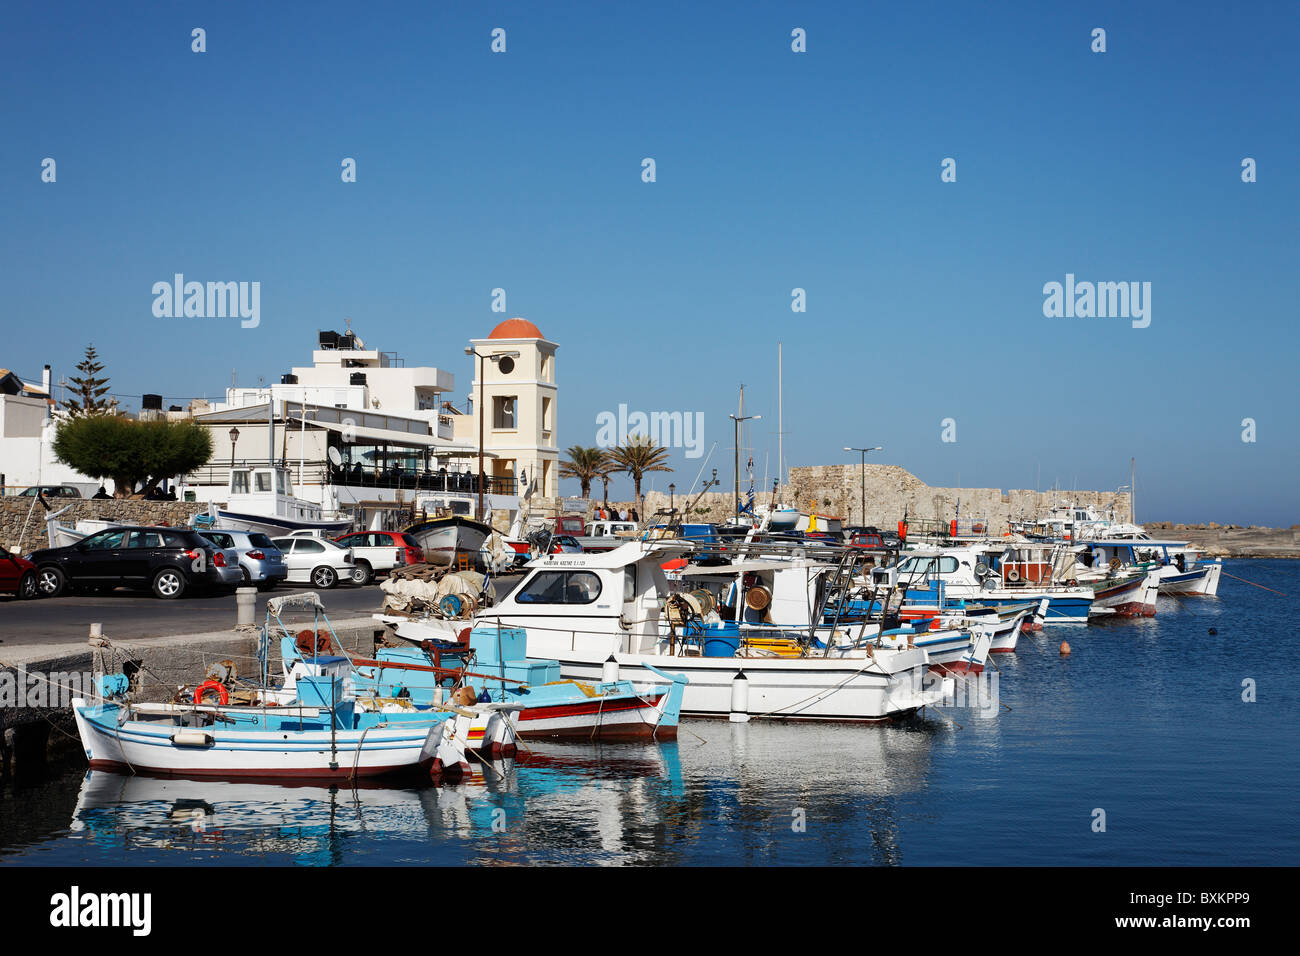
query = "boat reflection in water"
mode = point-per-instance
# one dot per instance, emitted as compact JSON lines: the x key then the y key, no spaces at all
{"x":770,"y":793}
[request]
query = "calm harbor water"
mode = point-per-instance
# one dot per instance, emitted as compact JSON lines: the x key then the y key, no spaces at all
{"x":1144,"y":720}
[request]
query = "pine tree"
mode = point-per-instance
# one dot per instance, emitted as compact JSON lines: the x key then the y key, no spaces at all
{"x":88,"y":388}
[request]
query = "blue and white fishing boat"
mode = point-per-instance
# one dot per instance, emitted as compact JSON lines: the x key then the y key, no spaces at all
{"x":492,"y":670}
{"x":322,"y":736}
{"x":1181,"y":568}
{"x":993,"y":574}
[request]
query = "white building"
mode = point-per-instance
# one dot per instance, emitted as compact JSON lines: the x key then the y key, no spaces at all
{"x":27,"y":425}
{"x":364,"y":435}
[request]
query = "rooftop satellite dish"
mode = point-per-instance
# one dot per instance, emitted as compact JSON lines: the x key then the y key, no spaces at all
{"x":334,"y":456}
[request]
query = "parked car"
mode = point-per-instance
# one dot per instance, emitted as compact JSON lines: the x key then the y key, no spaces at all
{"x":565,"y":544}
{"x":319,"y":562}
{"x":51,"y":491}
{"x":259,"y":561}
{"x":168,"y":561}
{"x":374,"y":551}
{"x":17,"y":575}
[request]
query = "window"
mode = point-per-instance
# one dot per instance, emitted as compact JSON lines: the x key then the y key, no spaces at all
{"x":503,"y":411}
{"x":305,"y":546}
{"x":217,"y":538}
{"x":560,"y":587}
{"x":507,"y":365}
{"x":239,"y":483}
{"x":259,"y":540}
{"x":148,"y":539}
{"x":104,"y":540}
{"x":282,"y":483}
{"x":262,"y":480}
{"x":629,"y":583}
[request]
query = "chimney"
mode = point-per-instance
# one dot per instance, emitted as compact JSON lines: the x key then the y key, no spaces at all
{"x":46,"y":380}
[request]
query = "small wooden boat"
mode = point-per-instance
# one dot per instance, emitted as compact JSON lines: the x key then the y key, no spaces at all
{"x":445,"y":537}
{"x":541,"y":702}
{"x":297,"y":741}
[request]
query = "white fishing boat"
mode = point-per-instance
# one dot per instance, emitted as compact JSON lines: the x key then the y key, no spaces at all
{"x":1181,"y":568}
{"x":262,"y":499}
{"x":994,"y":573}
{"x":295,"y":741}
{"x":603,"y":617}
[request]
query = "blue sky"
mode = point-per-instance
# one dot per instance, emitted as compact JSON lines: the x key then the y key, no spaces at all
{"x":775,"y":170}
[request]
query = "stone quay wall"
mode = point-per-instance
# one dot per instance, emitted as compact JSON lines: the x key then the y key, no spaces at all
{"x":22,"y":520}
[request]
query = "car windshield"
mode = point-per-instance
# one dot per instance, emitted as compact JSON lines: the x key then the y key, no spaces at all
{"x":259,"y":540}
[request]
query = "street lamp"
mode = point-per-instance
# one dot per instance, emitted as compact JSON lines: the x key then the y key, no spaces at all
{"x":864,"y":476}
{"x":234,"y":437}
{"x":482,"y":413}
{"x":672,"y":491}
{"x":738,"y":419}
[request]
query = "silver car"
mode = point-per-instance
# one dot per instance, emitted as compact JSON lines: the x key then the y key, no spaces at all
{"x":259,"y":561}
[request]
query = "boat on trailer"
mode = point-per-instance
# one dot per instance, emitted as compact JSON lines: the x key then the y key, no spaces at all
{"x":262,"y":499}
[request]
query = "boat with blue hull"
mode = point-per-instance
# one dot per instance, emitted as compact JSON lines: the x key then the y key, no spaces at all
{"x":494,"y":667}
{"x":994,"y":574}
{"x":1181,"y":568}
{"x":297,"y":741}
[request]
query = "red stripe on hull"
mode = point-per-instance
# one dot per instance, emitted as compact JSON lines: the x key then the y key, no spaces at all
{"x":1135,"y":609}
{"x":638,"y":731}
{"x":586,"y":708}
{"x":957,"y":667}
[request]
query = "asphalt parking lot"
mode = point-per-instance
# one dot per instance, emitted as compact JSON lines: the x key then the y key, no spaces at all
{"x":127,"y":615}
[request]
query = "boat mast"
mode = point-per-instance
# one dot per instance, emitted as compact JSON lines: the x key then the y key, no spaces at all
{"x":1132,"y":490}
{"x":780,"y":424}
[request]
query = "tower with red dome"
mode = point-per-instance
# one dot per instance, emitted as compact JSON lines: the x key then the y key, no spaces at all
{"x":519,"y":399}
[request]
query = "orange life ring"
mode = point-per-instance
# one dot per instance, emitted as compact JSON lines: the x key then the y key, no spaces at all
{"x":223,"y":695}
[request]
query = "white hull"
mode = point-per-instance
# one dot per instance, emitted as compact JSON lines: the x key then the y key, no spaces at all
{"x":149,"y":747}
{"x":1201,"y":580}
{"x":808,"y":688}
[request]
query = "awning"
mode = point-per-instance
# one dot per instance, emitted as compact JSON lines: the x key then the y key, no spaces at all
{"x":388,"y":436}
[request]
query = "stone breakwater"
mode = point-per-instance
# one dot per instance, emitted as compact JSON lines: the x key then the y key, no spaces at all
{"x":1232,"y":541}
{"x":891,"y":491}
{"x":22,"y":520}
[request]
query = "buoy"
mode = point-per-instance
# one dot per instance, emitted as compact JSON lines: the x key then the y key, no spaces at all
{"x":609,"y":672}
{"x":739,"y":699}
{"x":1065,"y":648}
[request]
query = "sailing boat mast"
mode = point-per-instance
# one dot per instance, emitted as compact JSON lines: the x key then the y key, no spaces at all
{"x":1132,"y":490}
{"x":780,"y":422}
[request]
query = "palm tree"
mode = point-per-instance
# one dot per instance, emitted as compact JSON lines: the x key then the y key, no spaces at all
{"x":585,"y":464}
{"x":637,"y":457}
